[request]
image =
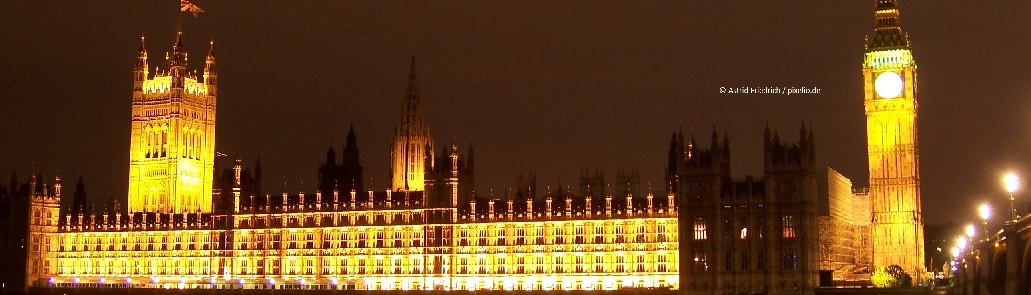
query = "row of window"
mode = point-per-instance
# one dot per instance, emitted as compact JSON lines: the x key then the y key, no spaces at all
{"x":701,"y":229}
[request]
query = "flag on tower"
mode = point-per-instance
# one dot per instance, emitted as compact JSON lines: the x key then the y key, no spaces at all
{"x":189,"y":7}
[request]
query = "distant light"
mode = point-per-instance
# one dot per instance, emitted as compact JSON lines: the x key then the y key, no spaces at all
{"x":101,"y":280}
{"x":1011,"y":181}
{"x":971,"y":230}
{"x":961,"y":243}
{"x":955,"y":252}
{"x":984,"y":211}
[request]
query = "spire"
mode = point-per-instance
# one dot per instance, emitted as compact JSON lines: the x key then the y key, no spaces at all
{"x":141,"y":59}
{"x":888,"y":34}
{"x":331,"y":155}
{"x":209,"y":61}
{"x":412,"y":113}
{"x":352,"y":140}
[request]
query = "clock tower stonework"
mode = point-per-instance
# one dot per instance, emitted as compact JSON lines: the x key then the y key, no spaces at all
{"x":890,"y":80}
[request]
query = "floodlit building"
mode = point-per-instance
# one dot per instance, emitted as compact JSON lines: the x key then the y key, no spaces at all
{"x":183,"y":228}
{"x":890,"y":81}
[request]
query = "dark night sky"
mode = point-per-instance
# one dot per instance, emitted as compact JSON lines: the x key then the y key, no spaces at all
{"x":537,"y":86}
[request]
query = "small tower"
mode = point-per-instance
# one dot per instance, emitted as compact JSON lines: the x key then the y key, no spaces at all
{"x":490,"y":208}
{"x":588,"y":206}
{"x":511,"y":208}
{"x":547,"y":207}
{"x":237,"y":168}
{"x":569,"y":206}
{"x":210,"y":70}
{"x":529,"y":208}
{"x":44,"y":216}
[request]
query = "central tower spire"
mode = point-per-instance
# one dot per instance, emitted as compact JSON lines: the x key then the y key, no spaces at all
{"x":412,"y":143}
{"x":888,"y":33}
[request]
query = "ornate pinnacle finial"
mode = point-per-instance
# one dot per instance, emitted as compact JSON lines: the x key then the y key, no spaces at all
{"x":143,"y":48}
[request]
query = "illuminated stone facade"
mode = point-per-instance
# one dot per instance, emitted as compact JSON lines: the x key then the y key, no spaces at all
{"x":428,"y":231}
{"x":375,"y":241}
{"x":412,"y":148}
{"x":172,"y":147}
{"x":837,"y":227}
{"x":404,"y":238}
{"x":890,"y":79}
{"x":746,"y":236}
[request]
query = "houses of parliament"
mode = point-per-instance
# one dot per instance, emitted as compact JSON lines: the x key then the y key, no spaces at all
{"x":703,"y":232}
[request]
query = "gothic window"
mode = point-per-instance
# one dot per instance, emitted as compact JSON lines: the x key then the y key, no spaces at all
{"x":789,"y":260}
{"x":700,"y":263}
{"x":788,"y":224}
{"x":699,"y":229}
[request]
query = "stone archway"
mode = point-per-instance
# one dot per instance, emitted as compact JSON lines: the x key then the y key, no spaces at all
{"x":1025,"y":270}
{"x":997,"y":277}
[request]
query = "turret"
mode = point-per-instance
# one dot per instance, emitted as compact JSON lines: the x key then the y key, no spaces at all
{"x":140,"y":71}
{"x":57,"y":186}
{"x":588,"y":206}
{"x":490,"y":208}
{"x":650,"y":197}
{"x":608,"y":203}
{"x":529,"y":208}
{"x":336,"y":196}
{"x":211,"y":71}
{"x":547,"y":207}
{"x":511,"y":208}
{"x":177,"y":61}
{"x":569,"y":206}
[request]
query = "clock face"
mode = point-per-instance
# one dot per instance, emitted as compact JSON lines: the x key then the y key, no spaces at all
{"x":888,"y":85}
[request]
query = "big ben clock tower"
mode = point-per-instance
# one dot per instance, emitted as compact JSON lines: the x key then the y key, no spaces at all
{"x":890,"y":80}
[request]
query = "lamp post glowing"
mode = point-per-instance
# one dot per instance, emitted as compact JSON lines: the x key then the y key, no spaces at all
{"x":985,"y":212}
{"x":1012,"y":183}
{"x":970,"y":231}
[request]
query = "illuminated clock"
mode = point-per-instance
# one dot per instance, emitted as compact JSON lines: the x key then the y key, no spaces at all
{"x":888,"y":85}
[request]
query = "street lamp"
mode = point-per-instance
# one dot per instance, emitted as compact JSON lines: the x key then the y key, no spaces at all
{"x":985,"y":212}
{"x":1012,"y":183}
{"x":971,"y":231}
{"x":961,"y":243}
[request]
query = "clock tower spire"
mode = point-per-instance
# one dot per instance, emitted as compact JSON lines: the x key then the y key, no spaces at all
{"x":890,"y":80}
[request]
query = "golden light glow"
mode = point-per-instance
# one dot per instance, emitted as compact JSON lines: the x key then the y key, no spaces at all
{"x":984,"y":211}
{"x":888,"y":85}
{"x":971,"y":231}
{"x":891,"y":111}
{"x":539,"y":254}
{"x":172,"y":141}
{"x":1011,"y":181}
